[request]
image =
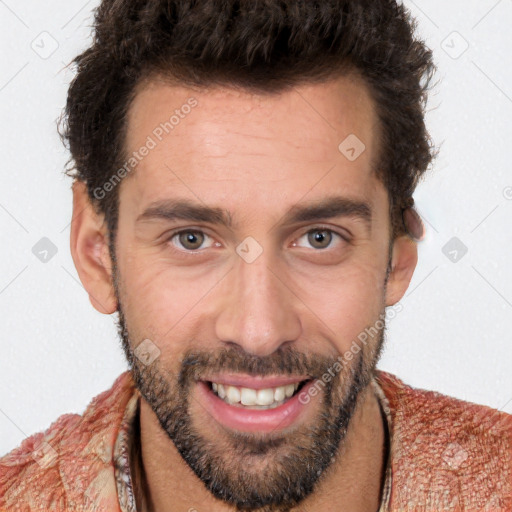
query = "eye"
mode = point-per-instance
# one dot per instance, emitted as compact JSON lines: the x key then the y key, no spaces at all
{"x":190,"y":239}
{"x":321,"y":238}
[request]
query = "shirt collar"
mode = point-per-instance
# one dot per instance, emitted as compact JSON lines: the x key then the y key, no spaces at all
{"x":123,"y":449}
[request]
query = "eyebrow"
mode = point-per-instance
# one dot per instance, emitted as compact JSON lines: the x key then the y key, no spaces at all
{"x":181,"y":209}
{"x":327,"y":208}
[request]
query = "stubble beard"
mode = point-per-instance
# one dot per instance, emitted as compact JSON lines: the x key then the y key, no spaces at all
{"x":271,"y":472}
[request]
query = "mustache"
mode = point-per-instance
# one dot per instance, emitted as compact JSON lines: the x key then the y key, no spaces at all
{"x":196,"y":365}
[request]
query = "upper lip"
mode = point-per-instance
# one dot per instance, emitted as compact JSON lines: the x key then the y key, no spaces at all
{"x":248,"y":381}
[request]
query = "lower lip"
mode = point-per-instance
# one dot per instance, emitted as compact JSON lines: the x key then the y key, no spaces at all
{"x":252,"y":420}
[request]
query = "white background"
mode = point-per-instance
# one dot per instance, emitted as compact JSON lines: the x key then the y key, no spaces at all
{"x":453,"y":334}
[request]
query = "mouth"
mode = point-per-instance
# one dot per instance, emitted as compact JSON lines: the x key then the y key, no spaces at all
{"x":261,"y":405}
{"x":256,"y":399}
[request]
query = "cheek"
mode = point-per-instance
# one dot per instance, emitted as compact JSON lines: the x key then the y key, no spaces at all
{"x":161,"y":302}
{"x":348,"y":302}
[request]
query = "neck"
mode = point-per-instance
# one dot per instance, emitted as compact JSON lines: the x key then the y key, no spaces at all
{"x":164,"y":481}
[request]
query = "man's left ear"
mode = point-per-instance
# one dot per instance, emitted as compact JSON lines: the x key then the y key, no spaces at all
{"x":403,"y":263}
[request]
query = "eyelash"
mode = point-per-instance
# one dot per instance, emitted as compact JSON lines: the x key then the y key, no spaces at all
{"x":344,"y":238}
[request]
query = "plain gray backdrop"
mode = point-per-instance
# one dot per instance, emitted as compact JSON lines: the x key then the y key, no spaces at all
{"x":454,"y":332}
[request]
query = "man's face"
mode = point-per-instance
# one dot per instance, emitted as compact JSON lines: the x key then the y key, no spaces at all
{"x":274,"y":296}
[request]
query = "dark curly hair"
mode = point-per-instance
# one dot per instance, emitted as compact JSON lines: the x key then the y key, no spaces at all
{"x":265,"y":46}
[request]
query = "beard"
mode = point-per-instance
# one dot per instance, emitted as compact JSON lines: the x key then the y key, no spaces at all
{"x":267,"y":472}
{"x":251,"y":471}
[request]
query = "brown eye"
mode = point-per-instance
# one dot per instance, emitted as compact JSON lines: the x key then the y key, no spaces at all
{"x":320,"y":239}
{"x":191,"y":240}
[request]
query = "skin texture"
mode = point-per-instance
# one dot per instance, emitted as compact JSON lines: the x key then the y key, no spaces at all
{"x":256,"y":156}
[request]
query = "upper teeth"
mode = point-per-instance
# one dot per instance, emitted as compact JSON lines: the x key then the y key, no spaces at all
{"x":249,"y":396}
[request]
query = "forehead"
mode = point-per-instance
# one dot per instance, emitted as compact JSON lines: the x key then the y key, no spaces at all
{"x":280,"y":145}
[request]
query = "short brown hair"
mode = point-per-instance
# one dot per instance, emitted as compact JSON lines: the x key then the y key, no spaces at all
{"x":260,"y":45}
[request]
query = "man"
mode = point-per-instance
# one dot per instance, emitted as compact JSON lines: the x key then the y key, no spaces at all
{"x":244,"y":174}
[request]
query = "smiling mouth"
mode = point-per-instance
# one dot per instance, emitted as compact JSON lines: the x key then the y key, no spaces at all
{"x":250,"y":398}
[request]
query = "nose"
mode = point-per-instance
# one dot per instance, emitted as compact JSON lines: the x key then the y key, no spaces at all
{"x":258,"y":310}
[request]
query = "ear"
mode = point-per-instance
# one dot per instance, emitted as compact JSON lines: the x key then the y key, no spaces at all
{"x":403,"y":263}
{"x":89,"y":249}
